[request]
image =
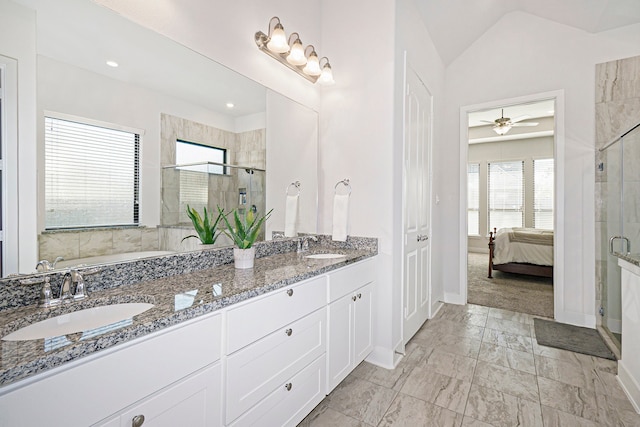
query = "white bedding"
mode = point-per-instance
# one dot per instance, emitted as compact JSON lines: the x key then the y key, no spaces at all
{"x":506,"y":251}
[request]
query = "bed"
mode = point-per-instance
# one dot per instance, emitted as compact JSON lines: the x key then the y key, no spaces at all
{"x":521,"y":251}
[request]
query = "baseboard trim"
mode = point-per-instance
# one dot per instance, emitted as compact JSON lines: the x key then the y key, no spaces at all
{"x":384,"y":357}
{"x":629,"y":385}
{"x":450,"y":298}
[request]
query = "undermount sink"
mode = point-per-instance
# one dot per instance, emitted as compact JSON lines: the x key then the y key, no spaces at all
{"x":325,"y":256}
{"x":78,"y":321}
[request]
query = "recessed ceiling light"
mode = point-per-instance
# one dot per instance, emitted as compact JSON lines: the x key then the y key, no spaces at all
{"x":113,"y":64}
{"x":230,"y":105}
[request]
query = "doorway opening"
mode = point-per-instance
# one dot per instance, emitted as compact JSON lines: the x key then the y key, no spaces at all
{"x":510,"y":216}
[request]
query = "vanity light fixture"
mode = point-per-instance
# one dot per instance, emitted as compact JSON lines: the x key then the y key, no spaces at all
{"x":292,"y":54}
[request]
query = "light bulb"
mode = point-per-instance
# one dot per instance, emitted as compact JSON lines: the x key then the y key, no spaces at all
{"x":313,"y":65}
{"x":296,"y":55}
{"x":278,"y":41}
{"x":326,"y":78}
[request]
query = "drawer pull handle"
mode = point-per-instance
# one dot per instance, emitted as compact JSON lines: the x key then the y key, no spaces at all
{"x":354,"y":297}
{"x":137,"y":421}
{"x":288,"y":332}
{"x":288,"y":386}
{"x":359,"y":296}
{"x":290,"y":292}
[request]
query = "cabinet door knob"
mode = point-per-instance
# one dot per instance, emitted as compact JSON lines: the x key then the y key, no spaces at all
{"x":288,"y":386}
{"x":354,"y":297}
{"x":137,"y":421}
{"x":288,"y":332}
{"x":290,"y":292}
{"x":359,"y":296}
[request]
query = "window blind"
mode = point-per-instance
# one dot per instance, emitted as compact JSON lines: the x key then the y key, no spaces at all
{"x":506,"y":194}
{"x":91,"y":175}
{"x":473,"y":199}
{"x":543,"y":180}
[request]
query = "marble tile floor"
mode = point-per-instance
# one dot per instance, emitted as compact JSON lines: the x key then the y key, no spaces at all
{"x":477,"y":366}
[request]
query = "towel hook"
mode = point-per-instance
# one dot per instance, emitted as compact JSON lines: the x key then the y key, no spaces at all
{"x":344,"y":182}
{"x":296,"y":185}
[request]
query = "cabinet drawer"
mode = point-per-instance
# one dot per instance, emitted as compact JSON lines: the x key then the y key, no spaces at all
{"x":194,"y":402}
{"x":256,"y":371}
{"x":348,"y":279}
{"x":261,"y":316}
{"x":291,"y":401}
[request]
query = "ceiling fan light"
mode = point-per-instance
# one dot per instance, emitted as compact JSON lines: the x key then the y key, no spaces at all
{"x":501,"y":130}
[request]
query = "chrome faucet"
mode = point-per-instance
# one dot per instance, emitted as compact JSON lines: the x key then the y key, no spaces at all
{"x":45,"y":265}
{"x":303,"y":242}
{"x":67,"y":292}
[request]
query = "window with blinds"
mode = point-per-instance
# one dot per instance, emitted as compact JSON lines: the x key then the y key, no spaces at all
{"x":543,"y":194}
{"x":194,"y":180}
{"x":473,"y":199}
{"x":506,"y":194}
{"x":91,"y":175}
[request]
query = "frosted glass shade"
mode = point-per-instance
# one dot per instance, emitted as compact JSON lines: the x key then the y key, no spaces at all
{"x":278,"y":41}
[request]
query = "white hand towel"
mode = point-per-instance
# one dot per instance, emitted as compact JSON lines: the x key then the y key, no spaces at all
{"x":340,"y":217}
{"x":291,"y":216}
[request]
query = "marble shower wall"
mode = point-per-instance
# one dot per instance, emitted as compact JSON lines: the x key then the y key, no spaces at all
{"x":247,"y":149}
{"x":617,"y":111}
{"x":75,"y":244}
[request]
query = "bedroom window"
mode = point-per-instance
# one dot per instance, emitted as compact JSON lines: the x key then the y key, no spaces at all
{"x":91,"y":175}
{"x":543,"y":194}
{"x":506,"y":194}
{"x":473,"y":201}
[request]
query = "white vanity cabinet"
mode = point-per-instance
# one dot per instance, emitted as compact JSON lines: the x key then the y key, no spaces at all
{"x":168,"y":373}
{"x":276,"y":356}
{"x":350,"y":322}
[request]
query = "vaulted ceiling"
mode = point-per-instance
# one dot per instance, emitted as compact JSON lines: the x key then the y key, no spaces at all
{"x":455,"y":24}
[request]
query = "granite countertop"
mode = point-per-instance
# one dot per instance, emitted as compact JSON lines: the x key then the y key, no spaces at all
{"x":631,"y":258}
{"x":176,"y":299}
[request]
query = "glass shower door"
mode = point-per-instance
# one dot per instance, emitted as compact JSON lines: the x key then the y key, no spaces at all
{"x":611,"y":300}
{"x":623,"y":221}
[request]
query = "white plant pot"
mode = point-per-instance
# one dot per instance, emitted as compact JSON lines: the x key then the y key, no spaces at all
{"x":243,"y":258}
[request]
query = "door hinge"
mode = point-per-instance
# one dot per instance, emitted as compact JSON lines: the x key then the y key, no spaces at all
{"x":601,"y":311}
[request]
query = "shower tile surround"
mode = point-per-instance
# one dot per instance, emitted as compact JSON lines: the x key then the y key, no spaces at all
{"x":161,"y":281}
{"x":617,"y":110}
{"x":246,"y":149}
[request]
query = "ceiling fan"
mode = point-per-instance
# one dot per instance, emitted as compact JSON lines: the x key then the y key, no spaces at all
{"x":503,"y":124}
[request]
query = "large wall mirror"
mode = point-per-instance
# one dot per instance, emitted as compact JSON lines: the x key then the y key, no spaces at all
{"x":164,"y":97}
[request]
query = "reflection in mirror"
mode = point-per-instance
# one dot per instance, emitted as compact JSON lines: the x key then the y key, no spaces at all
{"x":166,"y":93}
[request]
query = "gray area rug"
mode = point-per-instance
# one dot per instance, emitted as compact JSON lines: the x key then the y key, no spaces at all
{"x":569,"y":337}
{"x":516,"y":292}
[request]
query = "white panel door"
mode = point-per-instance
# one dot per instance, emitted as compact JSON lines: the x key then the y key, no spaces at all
{"x":416,"y":204}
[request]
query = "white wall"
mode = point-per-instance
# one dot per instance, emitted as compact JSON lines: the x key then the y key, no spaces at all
{"x":18,"y":41}
{"x":224,"y":31}
{"x":535,"y":56}
{"x":356,"y":139}
{"x":292,"y":152}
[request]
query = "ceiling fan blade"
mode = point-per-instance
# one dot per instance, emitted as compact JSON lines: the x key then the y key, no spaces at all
{"x":525,"y":124}
{"x":519,"y":118}
{"x":487,"y":121}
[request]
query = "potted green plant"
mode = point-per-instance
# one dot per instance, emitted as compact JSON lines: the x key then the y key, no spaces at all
{"x":206,"y":231}
{"x":244,"y":233}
